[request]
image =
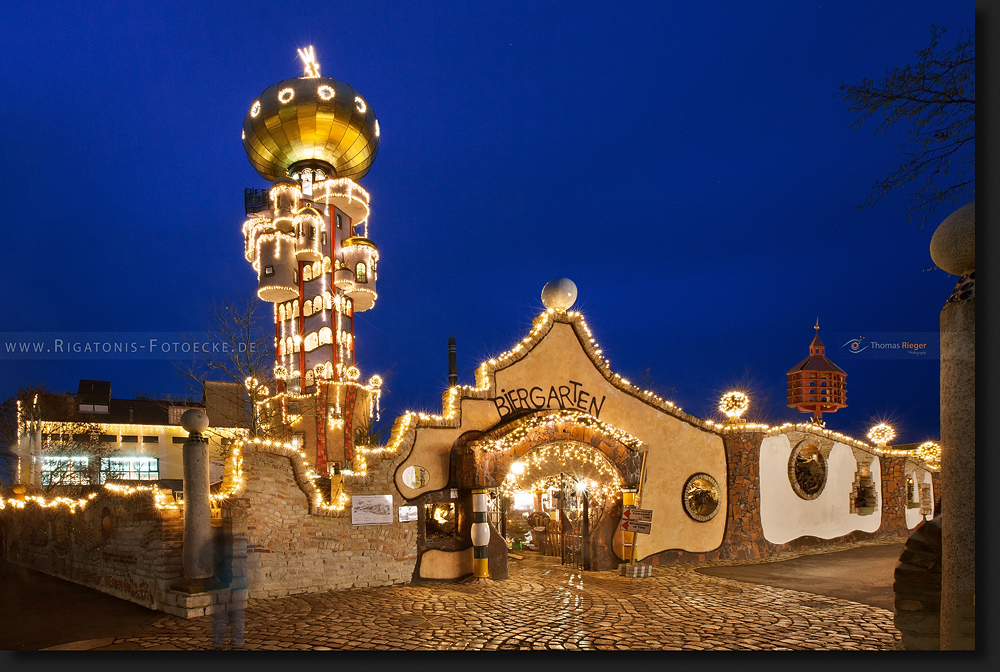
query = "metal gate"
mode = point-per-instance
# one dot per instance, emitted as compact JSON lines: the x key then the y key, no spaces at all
{"x":574,"y":519}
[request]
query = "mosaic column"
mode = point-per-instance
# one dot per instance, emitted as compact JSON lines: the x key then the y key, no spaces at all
{"x":480,"y":535}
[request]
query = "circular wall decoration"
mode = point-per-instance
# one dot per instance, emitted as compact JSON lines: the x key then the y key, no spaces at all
{"x":701,"y":497}
{"x":286,"y":95}
{"x":416,"y":477}
{"x":807,"y":471}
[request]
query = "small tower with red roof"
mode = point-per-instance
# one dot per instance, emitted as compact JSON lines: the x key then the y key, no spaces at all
{"x":816,"y":385}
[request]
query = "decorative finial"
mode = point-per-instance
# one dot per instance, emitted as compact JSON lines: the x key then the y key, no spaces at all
{"x":194,"y":420}
{"x":817,"y":324}
{"x":559,"y":294}
{"x":309,"y":63}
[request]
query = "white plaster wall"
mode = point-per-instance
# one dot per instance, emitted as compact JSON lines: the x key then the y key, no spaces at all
{"x":913,"y":517}
{"x":786,"y":516}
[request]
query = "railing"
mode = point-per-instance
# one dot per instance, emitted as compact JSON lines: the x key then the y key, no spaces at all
{"x":254,"y":200}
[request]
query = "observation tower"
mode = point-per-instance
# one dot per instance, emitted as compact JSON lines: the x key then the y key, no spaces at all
{"x":306,"y":237}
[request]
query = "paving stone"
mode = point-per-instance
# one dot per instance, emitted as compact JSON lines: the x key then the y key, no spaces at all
{"x":545,"y":605}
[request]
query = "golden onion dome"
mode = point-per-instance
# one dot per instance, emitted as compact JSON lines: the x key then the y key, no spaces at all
{"x":310,"y":118}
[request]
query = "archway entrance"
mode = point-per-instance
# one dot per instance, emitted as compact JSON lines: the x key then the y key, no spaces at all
{"x":555,"y":482}
{"x":556,"y":497}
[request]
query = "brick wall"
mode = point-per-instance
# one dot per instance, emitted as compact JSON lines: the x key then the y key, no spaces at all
{"x":293,"y":546}
{"x":118,"y":544}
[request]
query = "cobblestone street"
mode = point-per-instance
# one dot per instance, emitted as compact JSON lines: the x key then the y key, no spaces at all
{"x":547,"y":606}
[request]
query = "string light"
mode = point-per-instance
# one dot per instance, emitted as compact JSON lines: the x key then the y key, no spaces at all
{"x":325,"y":92}
{"x":734,"y":404}
{"x":360,"y":104}
{"x":286,"y":95}
{"x":881,"y":434}
{"x":309,"y":63}
{"x":255,"y":108}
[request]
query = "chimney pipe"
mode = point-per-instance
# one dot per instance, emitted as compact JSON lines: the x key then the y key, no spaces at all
{"x":452,"y":362}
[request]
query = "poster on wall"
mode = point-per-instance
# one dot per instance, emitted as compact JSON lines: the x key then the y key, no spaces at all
{"x":407,"y":514}
{"x":371,"y":510}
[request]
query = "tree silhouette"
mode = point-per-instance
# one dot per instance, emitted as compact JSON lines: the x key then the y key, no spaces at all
{"x":936,"y":98}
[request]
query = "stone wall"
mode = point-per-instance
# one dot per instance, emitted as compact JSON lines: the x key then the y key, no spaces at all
{"x":744,"y":537}
{"x":295,"y":546}
{"x":119,"y":544}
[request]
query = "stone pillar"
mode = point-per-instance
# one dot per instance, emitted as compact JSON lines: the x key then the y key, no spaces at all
{"x":953,"y":249}
{"x":199,"y":557}
{"x":480,"y":535}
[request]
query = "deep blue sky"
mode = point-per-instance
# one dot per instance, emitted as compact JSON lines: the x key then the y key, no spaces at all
{"x":686,"y":164}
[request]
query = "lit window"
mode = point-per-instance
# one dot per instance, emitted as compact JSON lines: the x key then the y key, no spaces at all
{"x":130,"y":469}
{"x":318,"y":304}
{"x":339,"y":222}
{"x":307,"y":274}
{"x":361,"y":272}
{"x":65,"y":471}
{"x":268,"y":271}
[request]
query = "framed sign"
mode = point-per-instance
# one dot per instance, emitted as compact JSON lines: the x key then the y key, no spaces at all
{"x":371,"y":510}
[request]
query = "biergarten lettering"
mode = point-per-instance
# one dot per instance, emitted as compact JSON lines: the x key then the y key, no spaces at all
{"x":563,"y":397}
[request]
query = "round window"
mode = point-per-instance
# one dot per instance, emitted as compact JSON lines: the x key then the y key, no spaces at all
{"x":807,"y":471}
{"x":416,"y":477}
{"x":701,"y":497}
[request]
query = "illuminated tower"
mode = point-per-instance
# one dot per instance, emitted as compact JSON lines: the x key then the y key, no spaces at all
{"x":312,"y":137}
{"x":816,"y":385}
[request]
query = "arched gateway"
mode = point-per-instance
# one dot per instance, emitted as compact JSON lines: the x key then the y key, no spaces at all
{"x":553,"y":407}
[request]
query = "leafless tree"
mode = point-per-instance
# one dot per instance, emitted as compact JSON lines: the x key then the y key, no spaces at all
{"x":936,"y":98}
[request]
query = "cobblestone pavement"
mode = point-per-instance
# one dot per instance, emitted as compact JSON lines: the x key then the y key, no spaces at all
{"x":547,"y":606}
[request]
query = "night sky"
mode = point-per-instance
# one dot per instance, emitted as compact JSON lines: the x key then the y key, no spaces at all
{"x":690,"y":166}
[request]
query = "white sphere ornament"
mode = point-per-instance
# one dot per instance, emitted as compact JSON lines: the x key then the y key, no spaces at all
{"x":194,"y":420}
{"x":559,"y":294}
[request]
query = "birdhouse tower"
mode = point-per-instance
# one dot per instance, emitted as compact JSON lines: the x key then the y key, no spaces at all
{"x":816,"y":385}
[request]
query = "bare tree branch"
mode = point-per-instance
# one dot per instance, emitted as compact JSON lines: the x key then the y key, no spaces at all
{"x":937,"y":98}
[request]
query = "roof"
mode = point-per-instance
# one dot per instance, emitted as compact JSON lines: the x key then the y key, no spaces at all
{"x":65,"y":408}
{"x":816,"y":363}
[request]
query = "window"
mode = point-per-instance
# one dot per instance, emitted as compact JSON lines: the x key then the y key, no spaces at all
{"x":339,"y":222}
{"x":440,"y":520}
{"x":295,"y":276}
{"x":307,"y":273}
{"x":268,"y":271}
{"x":179,"y":439}
{"x":318,"y":304}
{"x":701,"y":497}
{"x":322,"y":238}
{"x":311,"y":233}
{"x":361,"y":272}
{"x":174,"y":414}
{"x":807,"y":471}
{"x":130,"y":439}
{"x":65,"y":471}
{"x":129,"y":469}
{"x":307,"y":308}
{"x":86,"y":408}
{"x":312,"y":342}
{"x":150,"y":439}
{"x":325,"y":336}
